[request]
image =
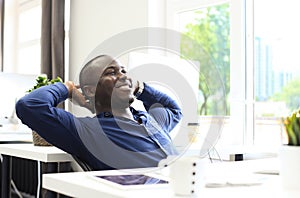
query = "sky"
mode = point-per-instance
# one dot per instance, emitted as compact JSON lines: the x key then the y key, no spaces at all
{"x":277,"y":22}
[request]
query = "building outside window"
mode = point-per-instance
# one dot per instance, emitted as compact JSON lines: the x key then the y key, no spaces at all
{"x":276,"y":68}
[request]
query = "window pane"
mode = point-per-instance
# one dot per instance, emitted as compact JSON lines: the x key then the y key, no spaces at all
{"x":30,"y":24}
{"x":22,"y":32}
{"x":29,"y":60}
{"x":209,"y":28}
{"x":277,"y":68}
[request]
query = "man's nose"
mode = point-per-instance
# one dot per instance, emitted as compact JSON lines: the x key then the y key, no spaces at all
{"x":122,"y":76}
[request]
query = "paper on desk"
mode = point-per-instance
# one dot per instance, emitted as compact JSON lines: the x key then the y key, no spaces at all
{"x":251,"y":180}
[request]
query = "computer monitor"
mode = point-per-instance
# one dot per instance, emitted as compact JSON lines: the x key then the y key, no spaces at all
{"x":177,"y":77}
{"x":13,"y":87}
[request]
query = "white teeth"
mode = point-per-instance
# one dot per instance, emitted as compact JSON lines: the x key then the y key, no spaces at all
{"x":123,"y":85}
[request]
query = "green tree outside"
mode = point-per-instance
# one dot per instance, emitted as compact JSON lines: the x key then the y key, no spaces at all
{"x":210,"y":31}
{"x":290,"y":94}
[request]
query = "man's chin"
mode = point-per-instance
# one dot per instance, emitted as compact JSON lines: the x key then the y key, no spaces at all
{"x":123,"y":103}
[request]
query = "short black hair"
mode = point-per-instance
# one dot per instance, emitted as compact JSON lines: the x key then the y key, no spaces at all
{"x":86,"y":68}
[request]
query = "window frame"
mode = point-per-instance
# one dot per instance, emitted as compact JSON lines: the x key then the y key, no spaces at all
{"x":241,"y":100}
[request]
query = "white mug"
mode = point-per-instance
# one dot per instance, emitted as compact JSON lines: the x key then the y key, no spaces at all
{"x":187,"y":175}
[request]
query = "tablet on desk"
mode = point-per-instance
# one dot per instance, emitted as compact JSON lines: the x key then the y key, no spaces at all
{"x":132,"y":181}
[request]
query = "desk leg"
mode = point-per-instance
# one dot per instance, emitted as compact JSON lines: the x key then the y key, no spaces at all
{"x":6,"y":177}
{"x":48,"y":168}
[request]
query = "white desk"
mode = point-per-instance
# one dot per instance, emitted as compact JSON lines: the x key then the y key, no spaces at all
{"x":38,"y":153}
{"x":79,"y":184}
{"x":50,"y":155}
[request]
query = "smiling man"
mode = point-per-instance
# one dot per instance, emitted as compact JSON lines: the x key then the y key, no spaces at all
{"x":118,"y":136}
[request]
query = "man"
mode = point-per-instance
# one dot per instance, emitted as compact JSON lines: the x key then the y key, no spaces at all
{"x":119,"y":136}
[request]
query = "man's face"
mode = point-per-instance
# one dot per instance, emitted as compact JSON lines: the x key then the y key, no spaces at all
{"x":114,"y":88}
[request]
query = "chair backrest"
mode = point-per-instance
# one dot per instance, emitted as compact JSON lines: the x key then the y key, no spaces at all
{"x":83,"y":165}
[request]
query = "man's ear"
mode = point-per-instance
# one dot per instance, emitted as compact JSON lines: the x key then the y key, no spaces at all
{"x":89,"y":90}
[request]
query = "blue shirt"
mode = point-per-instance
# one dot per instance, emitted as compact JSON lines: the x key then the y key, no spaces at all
{"x":104,"y":141}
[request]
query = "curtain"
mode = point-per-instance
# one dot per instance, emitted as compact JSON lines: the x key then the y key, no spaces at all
{"x":52,"y":38}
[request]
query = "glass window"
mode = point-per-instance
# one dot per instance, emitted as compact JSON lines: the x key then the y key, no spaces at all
{"x":209,"y":28}
{"x":276,"y":66}
{"x":209,"y":25}
{"x":22,"y":32}
{"x":255,"y":52}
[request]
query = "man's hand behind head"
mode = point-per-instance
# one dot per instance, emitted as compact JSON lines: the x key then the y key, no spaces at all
{"x":76,"y":96}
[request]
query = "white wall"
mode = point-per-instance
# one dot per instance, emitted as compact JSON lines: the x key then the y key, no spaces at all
{"x":94,"y":21}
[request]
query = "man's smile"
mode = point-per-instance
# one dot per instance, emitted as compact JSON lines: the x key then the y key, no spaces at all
{"x":124,"y":85}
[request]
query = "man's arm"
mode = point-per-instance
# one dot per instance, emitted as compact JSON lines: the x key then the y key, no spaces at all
{"x":162,"y":107}
{"x":38,"y":111}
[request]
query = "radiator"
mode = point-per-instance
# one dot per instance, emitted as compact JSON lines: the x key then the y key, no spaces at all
{"x":25,"y":177}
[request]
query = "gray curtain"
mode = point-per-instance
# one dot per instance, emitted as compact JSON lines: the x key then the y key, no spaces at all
{"x":52,"y":38}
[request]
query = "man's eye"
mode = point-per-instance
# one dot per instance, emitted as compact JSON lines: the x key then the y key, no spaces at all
{"x":111,"y":73}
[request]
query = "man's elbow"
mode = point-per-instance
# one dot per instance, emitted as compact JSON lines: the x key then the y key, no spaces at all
{"x":22,"y":109}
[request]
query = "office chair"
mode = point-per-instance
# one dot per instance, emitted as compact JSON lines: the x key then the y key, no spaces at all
{"x":83,"y":165}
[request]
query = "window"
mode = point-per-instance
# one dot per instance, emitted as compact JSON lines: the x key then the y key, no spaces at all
{"x":216,"y":27}
{"x":276,"y":66}
{"x":22,"y":32}
{"x":209,"y":28}
{"x":254,"y":49}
